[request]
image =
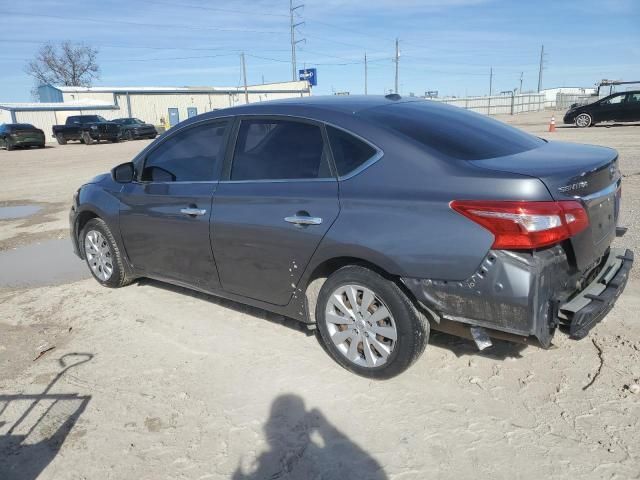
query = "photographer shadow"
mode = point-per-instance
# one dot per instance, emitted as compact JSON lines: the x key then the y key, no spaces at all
{"x":303,"y":444}
{"x":39,"y":424}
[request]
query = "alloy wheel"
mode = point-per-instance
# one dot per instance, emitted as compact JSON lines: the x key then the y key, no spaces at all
{"x":583,"y":120}
{"x":360,"y":325}
{"x":98,"y":254}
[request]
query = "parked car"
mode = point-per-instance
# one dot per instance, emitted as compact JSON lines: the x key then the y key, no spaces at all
{"x":86,"y":129}
{"x":373,"y":219}
{"x":619,"y":107}
{"x":135,"y":129}
{"x":14,"y":135}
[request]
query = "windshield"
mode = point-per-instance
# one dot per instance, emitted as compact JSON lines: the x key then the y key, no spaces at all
{"x":453,"y":131}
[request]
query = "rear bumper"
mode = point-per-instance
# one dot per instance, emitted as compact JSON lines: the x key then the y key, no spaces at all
{"x":527,"y":294}
{"x":593,"y":303}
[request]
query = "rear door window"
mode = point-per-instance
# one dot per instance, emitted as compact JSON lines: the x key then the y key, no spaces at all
{"x":349,"y":152}
{"x":192,"y":155}
{"x":269,"y":149}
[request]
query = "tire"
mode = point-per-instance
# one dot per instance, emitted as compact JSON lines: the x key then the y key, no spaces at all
{"x":129,"y":135}
{"x":583,"y":120}
{"x":386,"y":357}
{"x":86,"y":138}
{"x":115,"y":140}
{"x":8,"y":146}
{"x":107,"y":258}
{"x":60,"y":138}
{"x":41,"y":146}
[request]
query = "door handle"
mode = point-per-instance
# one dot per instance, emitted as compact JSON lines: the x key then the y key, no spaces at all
{"x":193,"y":211}
{"x":303,"y":220}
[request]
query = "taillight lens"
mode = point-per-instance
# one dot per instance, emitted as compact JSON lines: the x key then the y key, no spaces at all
{"x":525,"y":225}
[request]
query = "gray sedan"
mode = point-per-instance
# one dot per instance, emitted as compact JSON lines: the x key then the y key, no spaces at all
{"x":372,"y":219}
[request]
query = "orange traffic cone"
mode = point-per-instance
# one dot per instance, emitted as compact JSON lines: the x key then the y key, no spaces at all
{"x":552,"y":124}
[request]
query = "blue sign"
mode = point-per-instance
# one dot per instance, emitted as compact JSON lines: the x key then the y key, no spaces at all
{"x":310,"y":75}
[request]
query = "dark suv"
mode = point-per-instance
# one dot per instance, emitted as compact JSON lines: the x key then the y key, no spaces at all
{"x":373,"y":219}
{"x":619,"y":107}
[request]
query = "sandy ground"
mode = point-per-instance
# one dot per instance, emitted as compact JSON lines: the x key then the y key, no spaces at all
{"x":153,"y":381}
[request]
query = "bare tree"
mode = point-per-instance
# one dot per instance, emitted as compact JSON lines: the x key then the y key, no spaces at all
{"x":67,"y":64}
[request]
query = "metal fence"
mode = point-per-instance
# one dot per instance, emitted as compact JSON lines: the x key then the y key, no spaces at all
{"x":565,"y":100}
{"x":499,"y":104}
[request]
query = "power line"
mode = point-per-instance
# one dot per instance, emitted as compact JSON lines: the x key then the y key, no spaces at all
{"x":216,"y":9}
{"x":142,"y":24}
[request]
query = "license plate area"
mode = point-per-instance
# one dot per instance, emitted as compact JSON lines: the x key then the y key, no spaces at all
{"x":602,"y":217}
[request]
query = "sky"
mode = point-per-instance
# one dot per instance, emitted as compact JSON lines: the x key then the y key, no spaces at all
{"x":447,"y":46}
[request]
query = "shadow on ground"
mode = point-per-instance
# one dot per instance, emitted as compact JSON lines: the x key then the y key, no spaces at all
{"x":459,"y":346}
{"x":38,"y":424}
{"x":303,"y":444}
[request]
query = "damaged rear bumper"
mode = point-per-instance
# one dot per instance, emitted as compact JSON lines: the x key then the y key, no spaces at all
{"x":593,"y":303}
{"x":528,"y":294}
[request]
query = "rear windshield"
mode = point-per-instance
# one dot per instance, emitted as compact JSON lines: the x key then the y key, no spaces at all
{"x":21,"y":126}
{"x":453,"y":131}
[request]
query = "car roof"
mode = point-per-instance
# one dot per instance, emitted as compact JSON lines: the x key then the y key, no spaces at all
{"x":327,"y":103}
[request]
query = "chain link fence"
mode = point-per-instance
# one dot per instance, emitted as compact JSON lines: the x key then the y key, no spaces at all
{"x":565,"y":100}
{"x":499,"y":104}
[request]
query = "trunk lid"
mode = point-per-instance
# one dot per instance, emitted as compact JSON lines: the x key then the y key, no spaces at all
{"x":570,"y":171}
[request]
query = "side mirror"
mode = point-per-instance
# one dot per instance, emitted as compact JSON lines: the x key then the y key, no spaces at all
{"x":123,"y":173}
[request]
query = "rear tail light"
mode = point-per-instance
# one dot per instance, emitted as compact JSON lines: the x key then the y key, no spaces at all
{"x":525,"y":225}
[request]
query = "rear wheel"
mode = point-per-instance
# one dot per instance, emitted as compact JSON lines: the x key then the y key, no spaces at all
{"x":583,"y":120}
{"x":368,"y":325}
{"x":60,"y":138}
{"x":102,"y":254}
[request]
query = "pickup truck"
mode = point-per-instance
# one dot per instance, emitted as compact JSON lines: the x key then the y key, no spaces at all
{"x":87,"y":129}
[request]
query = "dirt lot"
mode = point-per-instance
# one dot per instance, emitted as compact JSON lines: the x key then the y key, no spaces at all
{"x":152,"y":381}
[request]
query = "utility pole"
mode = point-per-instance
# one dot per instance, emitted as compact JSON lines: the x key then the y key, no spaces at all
{"x":540,"y":70}
{"x":521,"y":75}
{"x":365,"y":73}
{"x":397,"y":60}
{"x":244,"y":76}
{"x":292,"y":26}
{"x":490,"y":80}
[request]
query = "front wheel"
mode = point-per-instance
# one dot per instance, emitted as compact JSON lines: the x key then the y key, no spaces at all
{"x":129,"y":135}
{"x":60,"y":138}
{"x":86,"y":138}
{"x":583,"y":120}
{"x":102,"y":254}
{"x":368,"y":325}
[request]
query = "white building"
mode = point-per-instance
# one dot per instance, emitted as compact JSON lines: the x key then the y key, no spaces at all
{"x":157,"y":105}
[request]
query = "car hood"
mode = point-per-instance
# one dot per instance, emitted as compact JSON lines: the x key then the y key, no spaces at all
{"x":99,"y":178}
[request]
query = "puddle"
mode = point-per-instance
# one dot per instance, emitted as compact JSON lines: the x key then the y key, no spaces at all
{"x":51,"y":262}
{"x":18,"y":211}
